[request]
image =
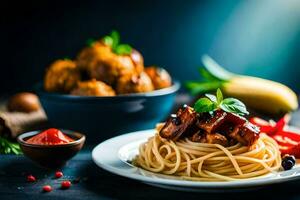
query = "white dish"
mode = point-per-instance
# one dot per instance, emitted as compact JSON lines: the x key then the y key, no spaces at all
{"x":113,"y":155}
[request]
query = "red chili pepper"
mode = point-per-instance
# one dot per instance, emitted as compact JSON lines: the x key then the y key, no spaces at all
{"x":288,"y":141}
{"x":65,"y":184}
{"x":292,"y":135}
{"x":280,"y":124}
{"x":264,"y":125}
{"x":47,"y":188}
{"x":292,"y":150}
{"x":269,"y":128}
{"x":284,"y":141}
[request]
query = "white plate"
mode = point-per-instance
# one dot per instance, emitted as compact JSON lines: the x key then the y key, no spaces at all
{"x":113,"y":154}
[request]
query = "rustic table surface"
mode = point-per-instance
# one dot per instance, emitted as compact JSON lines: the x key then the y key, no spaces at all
{"x":91,"y":182}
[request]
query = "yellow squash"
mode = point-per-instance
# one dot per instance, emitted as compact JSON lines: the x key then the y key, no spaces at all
{"x":263,"y":95}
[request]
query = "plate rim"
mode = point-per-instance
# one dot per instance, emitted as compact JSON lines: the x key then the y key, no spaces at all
{"x":295,"y":173}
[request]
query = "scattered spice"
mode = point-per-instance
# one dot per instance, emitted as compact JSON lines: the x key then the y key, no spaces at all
{"x":65,"y":184}
{"x":58,"y":174}
{"x":31,"y":178}
{"x":51,"y":136}
{"x":47,"y":188}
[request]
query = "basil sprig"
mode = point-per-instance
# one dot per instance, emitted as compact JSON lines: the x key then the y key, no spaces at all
{"x":213,"y":102}
{"x":8,"y":147}
{"x":90,"y":42}
{"x":213,"y":76}
{"x":208,"y":83}
{"x":113,"y":40}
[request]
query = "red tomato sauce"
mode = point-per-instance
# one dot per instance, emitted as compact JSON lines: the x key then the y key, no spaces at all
{"x":51,"y":136}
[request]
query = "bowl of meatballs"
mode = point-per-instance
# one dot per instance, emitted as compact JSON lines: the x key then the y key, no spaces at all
{"x":106,"y":90}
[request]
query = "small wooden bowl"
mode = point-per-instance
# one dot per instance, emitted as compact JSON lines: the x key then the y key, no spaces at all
{"x":51,"y":156}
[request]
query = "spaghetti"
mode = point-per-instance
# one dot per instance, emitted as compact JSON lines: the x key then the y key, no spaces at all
{"x":209,"y":162}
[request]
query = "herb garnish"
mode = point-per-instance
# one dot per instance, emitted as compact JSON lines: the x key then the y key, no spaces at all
{"x":211,"y":103}
{"x":66,"y":58}
{"x":213,"y":77}
{"x":90,"y":42}
{"x":8,"y":147}
{"x":113,"y":40}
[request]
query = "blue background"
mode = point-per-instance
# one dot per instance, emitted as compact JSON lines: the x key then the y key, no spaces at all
{"x":256,"y":37}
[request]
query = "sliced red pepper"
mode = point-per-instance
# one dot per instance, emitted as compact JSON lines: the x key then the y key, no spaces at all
{"x":267,"y":127}
{"x":288,"y":141}
{"x":280,"y":124}
{"x":293,"y":150}
{"x":293,"y":136}
{"x":284,"y":141}
{"x":264,"y":125}
{"x":259,"y":122}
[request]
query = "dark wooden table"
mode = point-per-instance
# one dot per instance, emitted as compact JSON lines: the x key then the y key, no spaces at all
{"x":91,"y":182}
{"x":95,"y":183}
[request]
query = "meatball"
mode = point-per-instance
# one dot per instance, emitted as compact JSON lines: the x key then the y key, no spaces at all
{"x":134,"y":84}
{"x":103,"y":64}
{"x":159,"y":76}
{"x":137,"y":60}
{"x":89,"y":55}
{"x":61,"y":76}
{"x":93,"y":88}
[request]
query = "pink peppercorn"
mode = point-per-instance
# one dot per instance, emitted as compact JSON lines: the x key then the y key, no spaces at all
{"x":31,"y":178}
{"x":58,"y":174}
{"x":65,"y":184}
{"x":47,"y":188}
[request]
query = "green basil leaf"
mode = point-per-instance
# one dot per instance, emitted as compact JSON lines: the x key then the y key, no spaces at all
{"x":198,"y":87}
{"x":123,"y":49}
{"x":233,"y":105}
{"x":7,"y":147}
{"x":90,"y":42}
{"x":227,"y":108}
{"x":66,"y":58}
{"x":15,"y":151}
{"x":219,"y":96}
{"x":116,"y":39}
{"x":215,"y":69}
{"x":107,"y":40}
{"x":204,"y":105}
{"x":207,"y":75}
{"x":212,"y":97}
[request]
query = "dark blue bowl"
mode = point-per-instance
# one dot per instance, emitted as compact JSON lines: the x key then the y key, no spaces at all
{"x":104,"y":117}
